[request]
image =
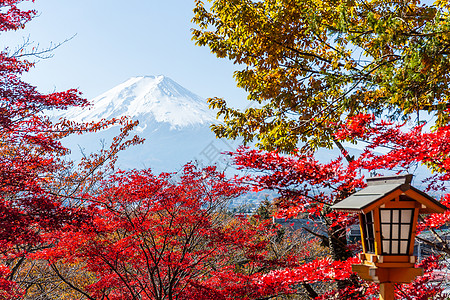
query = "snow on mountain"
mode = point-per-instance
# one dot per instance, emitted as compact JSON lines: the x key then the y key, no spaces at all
{"x":174,"y":121}
{"x":176,"y":125}
{"x":157,"y":98}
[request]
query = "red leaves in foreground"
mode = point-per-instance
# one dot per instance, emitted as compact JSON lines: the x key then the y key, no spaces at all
{"x":12,"y":18}
{"x":428,"y":286}
{"x":304,"y":184}
{"x":28,"y":149}
{"x":33,"y":177}
{"x":308,"y":187}
{"x":150,"y":236}
{"x":153,"y":238}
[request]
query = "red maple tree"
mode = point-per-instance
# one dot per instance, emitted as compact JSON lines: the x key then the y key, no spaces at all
{"x":306,"y":186}
{"x":150,"y":237}
{"x":142,"y":236}
{"x":30,"y":157}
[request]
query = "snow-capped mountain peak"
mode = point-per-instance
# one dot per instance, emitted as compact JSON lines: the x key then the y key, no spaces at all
{"x":148,"y":98}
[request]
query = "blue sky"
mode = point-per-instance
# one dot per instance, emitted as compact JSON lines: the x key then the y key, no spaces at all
{"x":115,"y":40}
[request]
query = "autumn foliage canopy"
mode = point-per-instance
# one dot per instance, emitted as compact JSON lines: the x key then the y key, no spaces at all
{"x":88,"y":231}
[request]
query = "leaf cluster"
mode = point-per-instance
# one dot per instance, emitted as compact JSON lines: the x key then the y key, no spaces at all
{"x":308,"y":64}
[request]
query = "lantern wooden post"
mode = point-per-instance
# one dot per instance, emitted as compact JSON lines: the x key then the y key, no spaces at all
{"x":388,"y":211}
{"x":387,"y":291}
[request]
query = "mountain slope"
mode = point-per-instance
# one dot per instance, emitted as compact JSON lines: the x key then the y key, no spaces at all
{"x":150,"y":98}
{"x":174,"y":121}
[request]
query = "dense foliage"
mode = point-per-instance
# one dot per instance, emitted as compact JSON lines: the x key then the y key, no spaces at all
{"x":308,"y":188}
{"x":308,"y":64}
{"x":89,"y":231}
{"x":34,"y":181}
{"x":151,"y":238}
{"x":321,"y":73}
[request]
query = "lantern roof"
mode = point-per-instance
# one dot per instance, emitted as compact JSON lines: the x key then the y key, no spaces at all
{"x":380,"y":190}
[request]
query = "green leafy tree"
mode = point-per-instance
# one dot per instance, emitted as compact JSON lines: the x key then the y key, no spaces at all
{"x":307,"y":64}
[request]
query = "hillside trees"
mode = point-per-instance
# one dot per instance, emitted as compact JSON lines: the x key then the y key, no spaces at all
{"x":152,"y":238}
{"x":36,"y":185}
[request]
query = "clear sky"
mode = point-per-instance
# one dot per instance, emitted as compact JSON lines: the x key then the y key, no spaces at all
{"x":115,"y":40}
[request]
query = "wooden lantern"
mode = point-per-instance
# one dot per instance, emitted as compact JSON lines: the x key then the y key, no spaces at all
{"x":388,"y":210}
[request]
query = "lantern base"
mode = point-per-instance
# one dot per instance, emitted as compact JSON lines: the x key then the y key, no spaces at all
{"x":387,"y":291}
{"x":380,"y":275}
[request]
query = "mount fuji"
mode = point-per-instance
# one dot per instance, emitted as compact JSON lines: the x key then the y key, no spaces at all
{"x":174,"y":122}
{"x":156,"y":99}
